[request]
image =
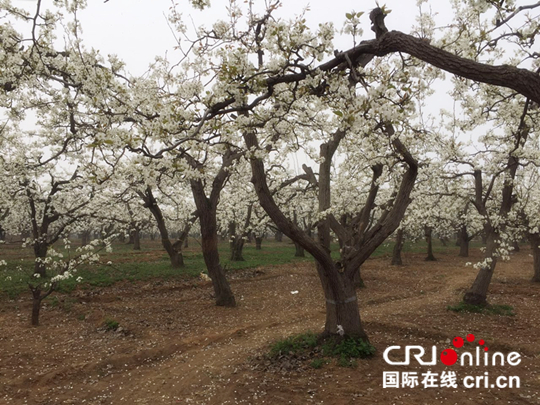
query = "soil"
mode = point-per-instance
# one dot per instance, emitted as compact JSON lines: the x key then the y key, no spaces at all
{"x":173,"y":346}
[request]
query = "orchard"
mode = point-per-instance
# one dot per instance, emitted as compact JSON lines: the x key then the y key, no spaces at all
{"x":272,"y":201}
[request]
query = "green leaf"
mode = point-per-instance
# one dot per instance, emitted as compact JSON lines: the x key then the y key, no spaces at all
{"x":338,"y":113}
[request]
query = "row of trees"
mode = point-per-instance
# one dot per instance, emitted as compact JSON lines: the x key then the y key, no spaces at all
{"x":183,"y":142}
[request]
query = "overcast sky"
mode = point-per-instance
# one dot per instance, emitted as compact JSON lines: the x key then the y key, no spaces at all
{"x":137,"y":30}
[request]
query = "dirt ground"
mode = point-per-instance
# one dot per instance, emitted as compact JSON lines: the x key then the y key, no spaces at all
{"x":175,"y":347}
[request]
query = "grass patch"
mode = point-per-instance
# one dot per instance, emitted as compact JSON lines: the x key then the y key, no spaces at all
{"x":319,"y":363}
{"x":496,"y":309}
{"x":348,"y":348}
{"x":321,"y":350}
{"x":150,"y":263}
{"x":297,"y":344}
{"x":110,"y":324}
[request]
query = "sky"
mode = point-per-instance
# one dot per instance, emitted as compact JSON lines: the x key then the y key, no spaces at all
{"x":137,"y":30}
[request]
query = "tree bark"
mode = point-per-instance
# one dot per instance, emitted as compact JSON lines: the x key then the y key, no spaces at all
{"x":207,"y":212}
{"x":477,"y":294}
{"x":85,"y":237}
{"x":398,"y":247}
{"x":298,"y":250}
{"x":136,"y":239}
{"x":534,"y":240}
{"x":279,"y":236}
{"x":464,"y":239}
{"x":36,"y":307}
{"x":358,"y":281}
{"x":37,"y":298}
{"x":40,"y":253}
{"x":341,"y":305}
{"x":173,"y":250}
{"x":236,"y":244}
{"x":258,"y":242}
{"x":428,"y":231}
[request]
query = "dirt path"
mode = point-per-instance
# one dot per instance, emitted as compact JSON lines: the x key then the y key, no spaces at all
{"x":174,"y":346}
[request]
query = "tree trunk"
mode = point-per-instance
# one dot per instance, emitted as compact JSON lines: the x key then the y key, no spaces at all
{"x":477,"y":295}
{"x":222,"y":290}
{"x":36,"y":306}
{"x":429,"y":239}
{"x":173,"y":250}
{"x":85,"y":237}
{"x":136,"y":239}
{"x":279,"y":236}
{"x":236,"y":244}
{"x":175,"y":253}
{"x":299,"y":250}
{"x":463,"y":238}
{"x":236,"y":250}
{"x":515,"y":245}
{"x":534,"y":240}
{"x":341,"y":305}
{"x":398,"y":247}
{"x":206,"y":210}
{"x":484,"y":239}
{"x":177,"y":259}
{"x":258,"y":242}
{"x":40,"y":253}
{"x":358,"y":281}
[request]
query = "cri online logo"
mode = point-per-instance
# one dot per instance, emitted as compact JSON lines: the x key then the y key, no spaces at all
{"x":449,"y":357}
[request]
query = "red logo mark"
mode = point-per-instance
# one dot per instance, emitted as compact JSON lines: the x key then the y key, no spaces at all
{"x":457,"y":342}
{"x":449,"y":356}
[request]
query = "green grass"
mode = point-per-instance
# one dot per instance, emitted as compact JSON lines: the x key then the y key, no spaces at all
{"x":496,"y":309}
{"x":153,"y":263}
{"x":319,"y":363}
{"x":345,"y":350}
{"x":296,"y":344}
{"x":150,"y":263}
{"x":110,"y":324}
